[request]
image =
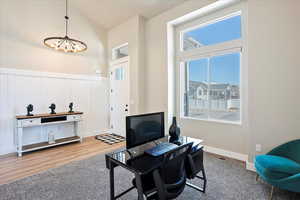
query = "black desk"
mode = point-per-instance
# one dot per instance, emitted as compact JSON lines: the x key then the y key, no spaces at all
{"x":136,"y":161}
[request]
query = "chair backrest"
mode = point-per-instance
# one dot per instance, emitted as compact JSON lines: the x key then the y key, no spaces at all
{"x":171,"y":177}
{"x":290,"y":150}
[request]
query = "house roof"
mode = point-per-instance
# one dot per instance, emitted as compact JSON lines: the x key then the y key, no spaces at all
{"x":213,"y":86}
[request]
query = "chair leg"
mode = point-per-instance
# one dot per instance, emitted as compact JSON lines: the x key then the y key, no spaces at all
{"x":257,"y":176}
{"x":271,"y":194}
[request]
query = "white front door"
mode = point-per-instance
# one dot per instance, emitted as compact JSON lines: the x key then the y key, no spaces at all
{"x":119,"y":97}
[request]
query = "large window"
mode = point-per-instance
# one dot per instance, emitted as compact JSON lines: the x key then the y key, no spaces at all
{"x":213,"y":33}
{"x":210,"y":60}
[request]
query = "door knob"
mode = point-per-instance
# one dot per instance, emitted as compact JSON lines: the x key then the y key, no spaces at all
{"x":126,"y":109}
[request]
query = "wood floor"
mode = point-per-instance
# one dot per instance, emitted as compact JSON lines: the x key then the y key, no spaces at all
{"x":13,"y":168}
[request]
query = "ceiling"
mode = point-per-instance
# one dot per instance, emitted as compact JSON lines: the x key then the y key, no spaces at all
{"x":110,"y":13}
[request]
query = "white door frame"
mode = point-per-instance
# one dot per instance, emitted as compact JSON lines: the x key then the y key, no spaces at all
{"x":112,"y":64}
{"x":119,"y":61}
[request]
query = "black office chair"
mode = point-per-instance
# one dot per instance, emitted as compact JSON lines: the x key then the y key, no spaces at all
{"x":168,"y":181}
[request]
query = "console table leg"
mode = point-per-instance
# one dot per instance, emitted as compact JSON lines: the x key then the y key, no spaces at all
{"x":20,"y":141}
{"x":76,"y":130}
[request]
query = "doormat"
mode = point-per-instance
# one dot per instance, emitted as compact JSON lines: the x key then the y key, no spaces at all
{"x":110,"y":138}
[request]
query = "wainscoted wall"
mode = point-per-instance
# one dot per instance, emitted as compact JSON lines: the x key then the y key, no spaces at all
{"x":19,"y":88}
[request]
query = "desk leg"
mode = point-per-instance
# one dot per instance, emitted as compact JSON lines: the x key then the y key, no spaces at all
{"x":204,"y":179}
{"x":20,"y":141}
{"x":111,"y":181}
{"x":139,"y":187}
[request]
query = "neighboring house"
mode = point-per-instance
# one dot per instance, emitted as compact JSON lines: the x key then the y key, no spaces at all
{"x":224,"y":91}
{"x":222,"y":95}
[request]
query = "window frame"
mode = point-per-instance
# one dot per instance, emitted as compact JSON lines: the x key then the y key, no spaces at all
{"x":182,"y":56}
{"x":207,"y":23}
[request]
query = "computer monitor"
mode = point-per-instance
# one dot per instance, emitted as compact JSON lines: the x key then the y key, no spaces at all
{"x":141,"y":129}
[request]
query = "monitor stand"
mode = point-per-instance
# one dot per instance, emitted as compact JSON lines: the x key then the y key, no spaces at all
{"x":155,"y":142}
{"x":130,"y":153}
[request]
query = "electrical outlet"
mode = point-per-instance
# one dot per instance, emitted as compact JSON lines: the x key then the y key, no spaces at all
{"x":258,"y":147}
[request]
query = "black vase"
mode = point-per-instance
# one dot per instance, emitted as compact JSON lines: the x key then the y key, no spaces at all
{"x":174,"y":131}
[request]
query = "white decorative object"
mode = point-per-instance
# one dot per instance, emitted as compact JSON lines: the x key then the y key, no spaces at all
{"x":51,"y":138}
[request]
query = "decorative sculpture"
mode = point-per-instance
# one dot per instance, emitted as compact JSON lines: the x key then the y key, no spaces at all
{"x":52,"y":107}
{"x":174,"y":132}
{"x":71,"y":107}
{"x":29,"y":110}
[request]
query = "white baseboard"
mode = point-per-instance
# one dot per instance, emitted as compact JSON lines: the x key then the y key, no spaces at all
{"x":250,"y":166}
{"x":100,"y":132}
{"x":229,"y":154}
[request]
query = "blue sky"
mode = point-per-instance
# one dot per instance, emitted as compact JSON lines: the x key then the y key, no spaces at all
{"x":224,"y":69}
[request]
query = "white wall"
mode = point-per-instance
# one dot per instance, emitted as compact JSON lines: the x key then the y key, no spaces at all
{"x":224,"y":136}
{"x":132,"y":32}
{"x":25,"y":24}
{"x":19,"y":88}
{"x":273,"y":71}
{"x":23,"y":27}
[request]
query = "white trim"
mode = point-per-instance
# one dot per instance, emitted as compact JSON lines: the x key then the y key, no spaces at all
{"x":250,"y":166}
{"x":118,"y":47}
{"x":94,"y":133}
{"x":119,"y":61}
{"x":210,"y":22}
{"x":212,"y":50}
{"x":31,"y":73}
{"x":183,"y":30}
{"x":172,"y":99}
{"x":100,"y":132}
{"x":202,"y":11}
{"x":238,"y":123}
{"x":171,"y":73}
{"x":229,"y":154}
{"x":228,"y":47}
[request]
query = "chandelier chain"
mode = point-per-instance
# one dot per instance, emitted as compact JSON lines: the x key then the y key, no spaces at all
{"x":67,"y":18}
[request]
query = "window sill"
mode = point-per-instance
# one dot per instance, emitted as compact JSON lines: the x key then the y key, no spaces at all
{"x":239,"y":123}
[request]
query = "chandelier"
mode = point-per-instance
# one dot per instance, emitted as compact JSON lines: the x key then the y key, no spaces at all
{"x":66,"y":43}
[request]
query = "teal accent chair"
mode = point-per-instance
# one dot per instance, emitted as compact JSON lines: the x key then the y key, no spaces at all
{"x":281,"y":167}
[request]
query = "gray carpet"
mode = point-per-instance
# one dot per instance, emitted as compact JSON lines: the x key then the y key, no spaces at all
{"x":88,"y":180}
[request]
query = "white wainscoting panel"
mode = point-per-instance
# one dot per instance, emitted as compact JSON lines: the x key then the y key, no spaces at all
{"x":18,"y":88}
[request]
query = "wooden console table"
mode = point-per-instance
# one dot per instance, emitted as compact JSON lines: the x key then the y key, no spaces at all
{"x":24,"y":121}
